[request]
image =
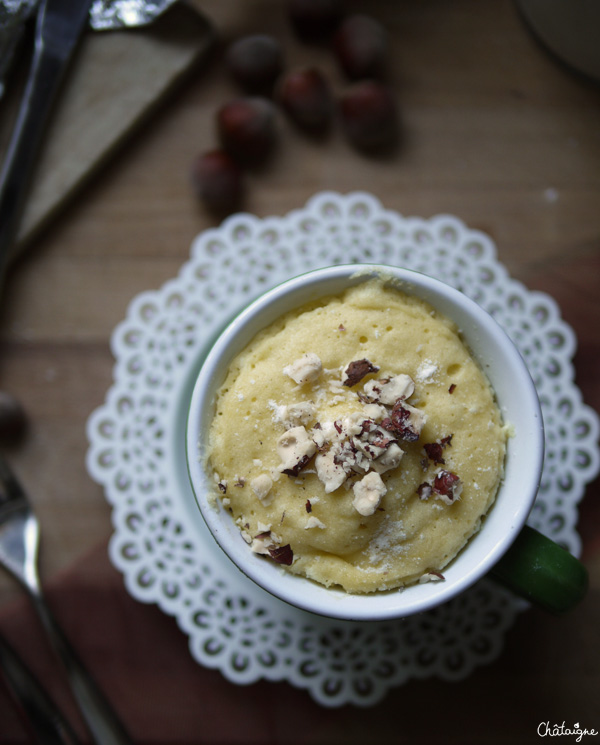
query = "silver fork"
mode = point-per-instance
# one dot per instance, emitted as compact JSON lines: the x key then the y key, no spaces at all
{"x":19,"y":541}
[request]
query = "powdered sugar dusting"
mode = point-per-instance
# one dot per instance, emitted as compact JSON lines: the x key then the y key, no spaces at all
{"x":387,"y":540}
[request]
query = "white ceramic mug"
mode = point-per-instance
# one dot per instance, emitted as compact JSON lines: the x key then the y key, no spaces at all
{"x":536,"y":576}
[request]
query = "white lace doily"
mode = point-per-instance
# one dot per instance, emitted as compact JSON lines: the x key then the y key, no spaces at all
{"x":137,"y":451}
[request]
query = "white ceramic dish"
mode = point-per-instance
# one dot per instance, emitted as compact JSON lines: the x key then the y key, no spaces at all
{"x":517,"y":398}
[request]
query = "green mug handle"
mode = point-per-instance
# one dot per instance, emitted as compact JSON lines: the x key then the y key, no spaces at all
{"x":540,"y":571}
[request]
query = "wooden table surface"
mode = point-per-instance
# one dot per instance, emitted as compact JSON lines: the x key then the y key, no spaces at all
{"x":495,"y":131}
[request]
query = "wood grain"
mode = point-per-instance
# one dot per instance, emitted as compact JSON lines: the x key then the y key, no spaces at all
{"x":495,"y":131}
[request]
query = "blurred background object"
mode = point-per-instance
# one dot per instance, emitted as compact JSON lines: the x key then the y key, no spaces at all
{"x":568,"y":28}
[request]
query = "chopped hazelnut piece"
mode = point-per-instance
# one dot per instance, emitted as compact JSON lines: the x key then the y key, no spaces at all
{"x":261,"y":544}
{"x":305,"y":369}
{"x":246,"y":536}
{"x":330,"y":473}
{"x":299,"y":413}
{"x":431,"y":576}
{"x":405,"y":421}
{"x":282,"y":554}
{"x":375,"y":412}
{"x":295,"y":448}
{"x":294,"y":414}
{"x":295,"y":470}
{"x":356,"y":371}
{"x":389,"y":459}
{"x":368,"y":493}
{"x":434,"y":452}
{"x":447,"y":486}
{"x":314,"y":522}
{"x":261,"y":486}
{"x":424,"y":490}
{"x":390,"y":390}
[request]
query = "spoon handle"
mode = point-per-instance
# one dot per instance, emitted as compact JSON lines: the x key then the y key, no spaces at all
{"x":100,"y":717}
{"x":46,"y":720}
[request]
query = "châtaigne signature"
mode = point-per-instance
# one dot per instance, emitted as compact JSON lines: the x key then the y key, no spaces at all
{"x":545,"y":729}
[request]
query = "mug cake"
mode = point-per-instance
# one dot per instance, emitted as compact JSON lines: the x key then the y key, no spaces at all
{"x":356,"y":441}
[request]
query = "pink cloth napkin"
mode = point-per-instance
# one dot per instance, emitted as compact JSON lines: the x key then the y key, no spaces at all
{"x":141,"y":660}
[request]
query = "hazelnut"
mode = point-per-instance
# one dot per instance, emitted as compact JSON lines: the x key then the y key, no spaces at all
{"x":261,"y":485}
{"x":217,"y":180}
{"x":330,"y":471}
{"x":360,"y":45}
{"x":389,"y":459}
{"x":295,"y":448}
{"x":314,"y":522}
{"x":305,"y":95}
{"x":424,"y":490}
{"x":431,"y":576}
{"x":368,"y":115}
{"x":356,"y":371}
{"x":246,"y":128}
{"x":368,"y":493}
{"x":255,"y":62}
{"x":282,"y":554}
{"x":405,"y":421}
{"x":389,"y":390}
{"x":447,"y":486}
{"x":305,"y":369}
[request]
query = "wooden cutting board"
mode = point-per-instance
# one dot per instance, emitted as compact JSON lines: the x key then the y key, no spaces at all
{"x":116,"y":80}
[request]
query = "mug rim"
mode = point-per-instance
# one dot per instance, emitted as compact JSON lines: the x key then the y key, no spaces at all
{"x":401,"y":602}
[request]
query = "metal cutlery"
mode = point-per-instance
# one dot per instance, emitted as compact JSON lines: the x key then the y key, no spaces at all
{"x":59,"y":25}
{"x":58,"y":28}
{"x":19,"y":540}
{"x":47,"y":722}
